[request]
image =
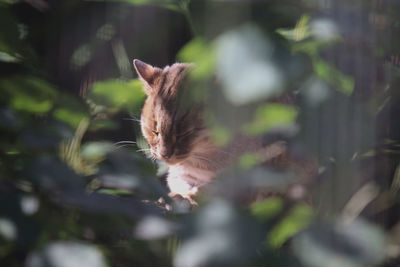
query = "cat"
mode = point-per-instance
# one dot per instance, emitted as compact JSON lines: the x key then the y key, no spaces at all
{"x":176,"y":133}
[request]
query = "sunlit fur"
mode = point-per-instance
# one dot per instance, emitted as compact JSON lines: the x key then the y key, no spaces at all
{"x":170,"y":131}
{"x":175,"y":130}
{"x":173,"y":126}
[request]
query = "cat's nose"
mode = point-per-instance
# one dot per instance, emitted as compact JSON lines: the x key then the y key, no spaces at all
{"x":165,"y":151}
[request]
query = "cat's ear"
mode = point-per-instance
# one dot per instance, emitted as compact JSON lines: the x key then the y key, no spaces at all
{"x":146,"y":72}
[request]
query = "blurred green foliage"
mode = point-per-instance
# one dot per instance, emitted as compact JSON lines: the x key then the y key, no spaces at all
{"x":29,"y":94}
{"x":270,"y":116}
{"x":249,"y":160}
{"x":266,"y":209}
{"x":74,"y":190}
{"x":116,"y":95}
{"x":202,"y":55}
{"x":296,"y":220}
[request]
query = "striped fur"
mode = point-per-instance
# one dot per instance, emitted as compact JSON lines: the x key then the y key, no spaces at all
{"x":173,"y":126}
{"x":175,"y":131}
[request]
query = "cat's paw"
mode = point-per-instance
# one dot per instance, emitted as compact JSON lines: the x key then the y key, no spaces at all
{"x":185,"y":197}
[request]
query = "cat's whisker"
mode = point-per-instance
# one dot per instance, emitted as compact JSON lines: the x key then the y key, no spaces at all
{"x":144,"y":150}
{"x":124,"y":142}
{"x":132,"y":119}
{"x":121,"y":146}
{"x":152,"y":158}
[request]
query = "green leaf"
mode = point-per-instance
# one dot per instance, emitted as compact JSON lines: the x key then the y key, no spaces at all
{"x":10,"y":42}
{"x":249,"y":160}
{"x":300,"y":32}
{"x":96,"y":150}
{"x":102,"y":124}
{"x":31,"y":104}
{"x":72,"y":117}
{"x":297,"y":219}
{"x":117,"y":95}
{"x":270,"y":116}
{"x":310,"y":47}
{"x":341,"y":82}
{"x":220,"y":135}
{"x":29,"y":94}
{"x":109,"y":191}
{"x":82,"y":56}
{"x":5,"y":57}
{"x":267,"y":208}
{"x":7,"y":2}
{"x":70,"y":110}
{"x":202,"y":55}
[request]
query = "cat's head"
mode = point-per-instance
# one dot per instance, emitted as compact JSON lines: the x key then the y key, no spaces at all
{"x":169,"y":123}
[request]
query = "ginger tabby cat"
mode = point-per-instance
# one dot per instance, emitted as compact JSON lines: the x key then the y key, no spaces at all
{"x":175,"y":132}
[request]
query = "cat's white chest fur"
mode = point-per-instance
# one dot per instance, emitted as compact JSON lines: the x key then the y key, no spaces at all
{"x":185,"y":179}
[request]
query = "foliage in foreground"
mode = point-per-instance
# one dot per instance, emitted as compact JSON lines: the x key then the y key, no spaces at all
{"x":70,"y":197}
